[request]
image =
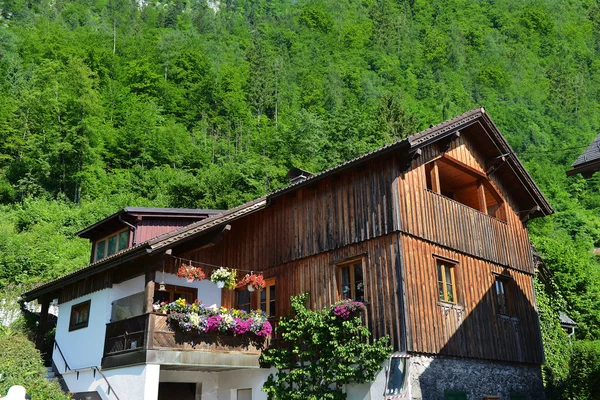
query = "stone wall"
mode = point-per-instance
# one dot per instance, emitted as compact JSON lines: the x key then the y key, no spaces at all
{"x":431,"y":376}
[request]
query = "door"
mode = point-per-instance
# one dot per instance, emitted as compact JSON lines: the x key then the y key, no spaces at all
{"x":176,"y":391}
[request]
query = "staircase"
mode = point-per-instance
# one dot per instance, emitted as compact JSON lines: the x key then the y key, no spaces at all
{"x":50,"y":375}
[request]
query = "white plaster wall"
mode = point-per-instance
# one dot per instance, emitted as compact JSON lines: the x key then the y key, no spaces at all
{"x":83,"y":347}
{"x":138,"y":382}
{"x":208,"y":292}
{"x":231,"y":381}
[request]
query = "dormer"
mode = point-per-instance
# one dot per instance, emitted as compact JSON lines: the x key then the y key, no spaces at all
{"x":134,"y":225}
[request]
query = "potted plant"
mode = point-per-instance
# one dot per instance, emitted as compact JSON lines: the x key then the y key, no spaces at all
{"x":224,"y":278}
{"x":190,"y":273}
{"x":252,"y":282}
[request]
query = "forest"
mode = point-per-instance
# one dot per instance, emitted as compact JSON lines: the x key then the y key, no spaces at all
{"x":207,"y":104}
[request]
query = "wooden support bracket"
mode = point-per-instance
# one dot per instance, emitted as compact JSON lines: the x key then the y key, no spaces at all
{"x":445,"y":143}
{"x":405,"y":163}
{"x":526,"y":215}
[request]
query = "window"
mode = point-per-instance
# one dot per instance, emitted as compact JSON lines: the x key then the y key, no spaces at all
{"x":455,"y":395}
{"x":446,"y":281}
{"x":244,"y":394}
{"x":501,"y":289}
{"x":464,"y":184}
{"x":80,"y":315}
{"x":242,"y":300}
{"x":397,"y":377}
{"x":267,"y":298}
{"x":173,"y":293}
{"x":351,"y":283}
{"x":111,"y":244}
{"x":517,"y":396}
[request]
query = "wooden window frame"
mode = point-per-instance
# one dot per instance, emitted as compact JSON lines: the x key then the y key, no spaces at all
{"x":172,"y":289}
{"x":350,"y":262}
{"x":105,"y":239}
{"x":269,"y":282}
{"x":236,"y":298}
{"x":506,"y":281}
{"x":77,"y":308}
{"x":452,"y":265}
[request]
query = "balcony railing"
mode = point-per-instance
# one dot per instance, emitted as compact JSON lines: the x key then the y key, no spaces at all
{"x":150,"y":337}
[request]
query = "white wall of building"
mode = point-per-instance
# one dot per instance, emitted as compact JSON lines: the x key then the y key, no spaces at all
{"x":208,"y":292}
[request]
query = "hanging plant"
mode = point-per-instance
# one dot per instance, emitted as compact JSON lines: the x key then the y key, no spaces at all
{"x":190,"y":273}
{"x":252,"y":282}
{"x":224,"y":278}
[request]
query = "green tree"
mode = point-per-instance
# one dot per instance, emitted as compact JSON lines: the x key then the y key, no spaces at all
{"x":320,"y":353}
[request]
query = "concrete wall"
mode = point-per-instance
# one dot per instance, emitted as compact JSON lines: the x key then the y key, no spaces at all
{"x":430,"y":376}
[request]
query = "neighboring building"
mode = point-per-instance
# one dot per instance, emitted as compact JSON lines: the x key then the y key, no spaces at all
{"x":588,"y":162}
{"x":429,"y":232}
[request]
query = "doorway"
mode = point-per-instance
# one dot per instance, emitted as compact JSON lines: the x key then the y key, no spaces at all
{"x":177,"y":391}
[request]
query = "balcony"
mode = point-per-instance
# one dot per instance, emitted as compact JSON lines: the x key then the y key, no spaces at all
{"x":149,"y":338}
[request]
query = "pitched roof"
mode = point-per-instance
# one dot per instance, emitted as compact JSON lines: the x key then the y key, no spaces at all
{"x":408,"y":145}
{"x":589,"y":161}
{"x":565,"y":319}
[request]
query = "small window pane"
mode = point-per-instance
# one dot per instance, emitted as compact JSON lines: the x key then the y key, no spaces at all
{"x":359,"y":284}
{"x":243,"y":300}
{"x":100,"y":247}
{"x":272,"y":309}
{"x":123,"y":240}
{"x":112,"y":245}
{"x":244,"y":394}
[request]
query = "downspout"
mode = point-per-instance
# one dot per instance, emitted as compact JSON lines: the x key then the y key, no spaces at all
{"x":133,"y":228}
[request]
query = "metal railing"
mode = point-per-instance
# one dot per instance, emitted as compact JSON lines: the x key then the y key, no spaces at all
{"x":92,"y":368}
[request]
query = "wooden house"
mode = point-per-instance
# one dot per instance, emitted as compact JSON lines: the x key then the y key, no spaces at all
{"x":429,"y":232}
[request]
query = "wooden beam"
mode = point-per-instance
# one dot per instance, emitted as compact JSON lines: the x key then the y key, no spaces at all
{"x":481,"y":197}
{"x":207,"y":240}
{"x":43,"y":324}
{"x":150,"y":276}
{"x":435,"y":178}
{"x":526,"y":215}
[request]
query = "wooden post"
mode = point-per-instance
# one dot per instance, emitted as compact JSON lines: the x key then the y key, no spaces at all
{"x":435,"y":178}
{"x":149,"y":290}
{"x":481,"y":197}
{"x":43,"y":323}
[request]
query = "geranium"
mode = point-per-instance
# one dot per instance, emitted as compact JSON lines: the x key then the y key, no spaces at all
{"x":345,"y":309}
{"x":190,"y":273}
{"x":256,"y":282}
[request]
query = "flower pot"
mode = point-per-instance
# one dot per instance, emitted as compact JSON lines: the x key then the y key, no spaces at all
{"x":220,"y":284}
{"x":250,"y":288}
{"x":190,"y":280}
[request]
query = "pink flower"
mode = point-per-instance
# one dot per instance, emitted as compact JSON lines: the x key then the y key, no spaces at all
{"x":266,"y":330}
{"x":213,"y":323}
{"x":242,"y":326}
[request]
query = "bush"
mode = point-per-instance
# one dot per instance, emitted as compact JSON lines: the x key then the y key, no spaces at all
{"x":21,"y":364}
{"x":585,"y":370}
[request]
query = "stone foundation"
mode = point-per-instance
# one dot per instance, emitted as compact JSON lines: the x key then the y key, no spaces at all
{"x":431,"y":376}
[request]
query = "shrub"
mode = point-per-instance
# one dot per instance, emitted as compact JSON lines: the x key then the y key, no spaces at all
{"x":585,"y":370}
{"x":21,"y":364}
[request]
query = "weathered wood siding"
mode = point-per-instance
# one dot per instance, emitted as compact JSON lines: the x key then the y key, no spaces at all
{"x":354,"y":207}
{"x":446,"y":222}
{"x":317,"y":275}
{"x":473,"y":327}
{"x":86,"y":286}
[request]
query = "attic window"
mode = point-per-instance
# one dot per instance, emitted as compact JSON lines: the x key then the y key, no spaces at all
{"x":109,"y":245}
{"x":464,"y":184}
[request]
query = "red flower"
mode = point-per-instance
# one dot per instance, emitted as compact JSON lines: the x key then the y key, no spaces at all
{"x":255,"y":281}
{"x":190,"y":273}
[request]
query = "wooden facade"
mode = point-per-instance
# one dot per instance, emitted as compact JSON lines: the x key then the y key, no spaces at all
{"x":384,"y":211}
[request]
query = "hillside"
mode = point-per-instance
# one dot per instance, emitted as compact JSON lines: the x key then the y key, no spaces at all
{"x":107,"y":103}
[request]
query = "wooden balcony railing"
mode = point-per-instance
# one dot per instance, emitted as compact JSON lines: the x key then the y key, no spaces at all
{"x":152,"y":332}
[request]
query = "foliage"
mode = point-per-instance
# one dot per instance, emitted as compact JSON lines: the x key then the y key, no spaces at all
{"x":198,"y":318}
{"x":21,"y":364}
{"x":177,"y":104}
{"x":585,"y":370}
{"x":321,"y":352}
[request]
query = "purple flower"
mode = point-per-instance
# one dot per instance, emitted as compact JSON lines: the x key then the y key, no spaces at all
{"x":213,"y":323}
{"x":242,"y":326}
{"x":266,"y":330}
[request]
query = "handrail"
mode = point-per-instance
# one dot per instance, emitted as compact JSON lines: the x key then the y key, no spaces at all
{"x":62,"y":355}
{"x":93,"y":368}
